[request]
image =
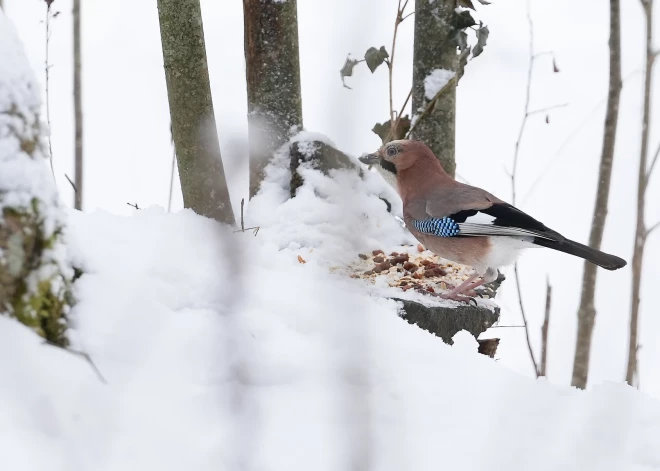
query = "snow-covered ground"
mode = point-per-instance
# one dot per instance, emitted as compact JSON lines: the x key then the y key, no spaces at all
{"x":222,"y":351}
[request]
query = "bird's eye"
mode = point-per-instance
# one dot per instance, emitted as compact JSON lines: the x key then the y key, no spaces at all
{"x":391,"y":151}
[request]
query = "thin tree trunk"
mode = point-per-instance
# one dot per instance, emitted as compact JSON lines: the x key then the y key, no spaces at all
{"x":434,"y":49}
{"x":202,"y":175}
{"x":77,"y":105}
{"x":587,"y":311}
{"x":272,"y":68}
{"x":640,"y":228}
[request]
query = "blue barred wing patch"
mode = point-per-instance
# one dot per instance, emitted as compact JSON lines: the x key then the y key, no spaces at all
{"x":440,"y":227}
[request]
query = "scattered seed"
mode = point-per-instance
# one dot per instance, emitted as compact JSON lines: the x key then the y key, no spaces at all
{"x":363,"y":256}
{"x":420,"y":247}
{"x":376,"y":252}
{"x":379,"y":259}
{"x":384,"y":266}
{"x":409,"y":266}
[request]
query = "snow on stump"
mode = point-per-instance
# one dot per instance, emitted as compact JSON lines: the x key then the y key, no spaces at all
{"x":34,"y":277}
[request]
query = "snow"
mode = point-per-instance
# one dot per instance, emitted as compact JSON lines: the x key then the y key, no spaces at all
{"x":223,"y":351}
{"x":434,"y":82}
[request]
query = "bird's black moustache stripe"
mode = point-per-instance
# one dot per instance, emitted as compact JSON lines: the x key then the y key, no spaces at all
{"x":387,"y":165}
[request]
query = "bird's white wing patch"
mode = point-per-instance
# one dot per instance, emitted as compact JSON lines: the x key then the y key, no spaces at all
{"x":471,"y":229}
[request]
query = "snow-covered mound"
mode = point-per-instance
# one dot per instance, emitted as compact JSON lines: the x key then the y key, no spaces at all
{"x":224,"y":351}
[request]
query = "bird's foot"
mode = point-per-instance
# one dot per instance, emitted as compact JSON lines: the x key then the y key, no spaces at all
{"x":461,"y":298}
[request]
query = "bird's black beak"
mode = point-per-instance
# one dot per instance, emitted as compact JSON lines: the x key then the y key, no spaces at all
{"x":369,"y":159}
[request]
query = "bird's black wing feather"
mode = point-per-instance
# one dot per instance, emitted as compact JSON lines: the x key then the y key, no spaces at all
{"x":501,"y":219}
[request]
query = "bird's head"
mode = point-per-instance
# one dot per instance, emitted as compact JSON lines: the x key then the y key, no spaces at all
{"x":396,"y":156}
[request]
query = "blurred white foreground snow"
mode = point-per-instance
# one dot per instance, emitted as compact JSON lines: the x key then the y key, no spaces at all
{"x":222,"y":351}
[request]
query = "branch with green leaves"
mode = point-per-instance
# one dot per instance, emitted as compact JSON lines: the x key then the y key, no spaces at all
{"x":399,"y":126}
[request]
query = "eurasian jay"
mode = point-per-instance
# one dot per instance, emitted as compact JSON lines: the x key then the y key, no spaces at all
{"x":463,"y":223}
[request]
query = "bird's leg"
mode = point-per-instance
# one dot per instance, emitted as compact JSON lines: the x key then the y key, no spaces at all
{"x":467,"y":285}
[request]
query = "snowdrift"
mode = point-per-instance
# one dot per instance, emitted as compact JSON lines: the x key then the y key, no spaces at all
{"x":223,"y":351}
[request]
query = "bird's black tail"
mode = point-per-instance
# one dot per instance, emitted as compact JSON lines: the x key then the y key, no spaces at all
{"x":602,"y":259}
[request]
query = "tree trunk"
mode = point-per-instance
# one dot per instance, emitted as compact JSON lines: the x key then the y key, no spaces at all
{"x":640,"y":228}
{"x":203,"y":181}
{"x":587,"y":311}
{"x":34,"y":275}
{"x":272,"y":68}
{"x":77,"y":106}
{"x":434,"y":49}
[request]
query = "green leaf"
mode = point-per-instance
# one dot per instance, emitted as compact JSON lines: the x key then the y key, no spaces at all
{"x":459,"y":38}
{"x":463,"y":20}
{"x":482,"y":37}
{"x":374,"y":57}
{"x":347,"y":70}
{"x":462,"y":62}
{"x":383,"y":130}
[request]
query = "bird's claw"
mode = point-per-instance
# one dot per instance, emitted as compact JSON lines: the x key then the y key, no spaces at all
{"x":456,"y":297}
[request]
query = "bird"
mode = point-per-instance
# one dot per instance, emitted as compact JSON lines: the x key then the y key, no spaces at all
{"x":464,"y":223}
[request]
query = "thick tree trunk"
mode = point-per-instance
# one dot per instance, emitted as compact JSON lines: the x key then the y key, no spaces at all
{"x":640,"y":228}
{"x":434,"y":49}
{"x":587,"y":311}
{"x":272,"y":68}
{"x":77,"y":106}
{"x":34,"y":275}
{"x":203,"y":181}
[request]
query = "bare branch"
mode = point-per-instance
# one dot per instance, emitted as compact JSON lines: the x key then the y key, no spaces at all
{"x":169,"y":200}
{"x":398,"y":117}
{"x":546,"y":109}
{"x":390,"y":63}
{"x":133,"y":205}
{"x":530,"y":67}
{"x":430,"y":105}
{"x":73,"y":185}
{"x":524,"y":317}
{"x":82,"y":354}
{"x":544,"y":329}
{"x":47,"y":70}
{"x":652,"y":228}
{"x":653,"y":162}
{"x":409,"y":14}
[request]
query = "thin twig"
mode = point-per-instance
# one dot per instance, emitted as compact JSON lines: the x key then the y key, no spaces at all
{"x":575,"y":132}
{"x":390,"y":63}
{"x":544,"y":329}
{"x":522,"y":312}
{"x":242,"y":205}
{"x":243,"y":228}
{"x":513,"y":176}
{"x":398,"y":117}
{"x":652,"y":228}
{"x":169,"y":201}
{"x":47,"y":70}
{"x":133,"y":205}
{"x":431,"y":104}
{"x":527,"y":99}
{"x":73,"y":185}
{"x":409,"y":14}
{"x":546,"y":109}
{"x":653,"y":162}
{"x":85,"y":355}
